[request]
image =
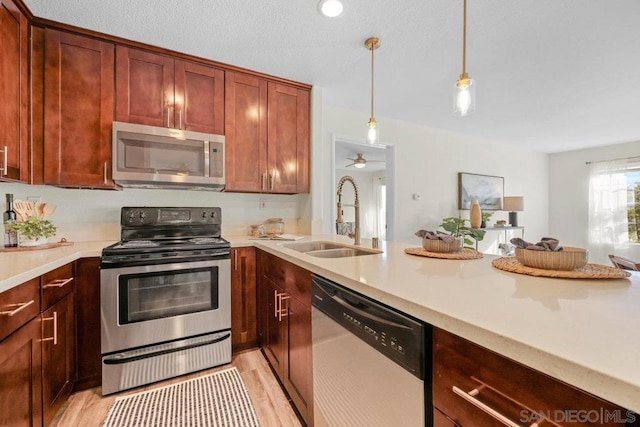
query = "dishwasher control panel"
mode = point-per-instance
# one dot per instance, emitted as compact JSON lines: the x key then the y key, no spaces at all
{"x":394,"y":334}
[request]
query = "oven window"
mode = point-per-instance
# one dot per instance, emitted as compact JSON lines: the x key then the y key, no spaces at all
{"x":147,"y":296}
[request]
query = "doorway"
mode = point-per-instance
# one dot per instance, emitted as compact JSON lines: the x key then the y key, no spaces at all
{"x":371,"y":166}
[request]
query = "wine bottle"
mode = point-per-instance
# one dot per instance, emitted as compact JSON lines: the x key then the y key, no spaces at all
{"x":9,"y":216}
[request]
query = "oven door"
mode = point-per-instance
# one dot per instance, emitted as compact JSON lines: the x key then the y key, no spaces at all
{"x":152,"y":304}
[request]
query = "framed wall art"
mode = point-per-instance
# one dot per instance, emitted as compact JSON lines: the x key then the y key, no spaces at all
{"x":489,"y":190}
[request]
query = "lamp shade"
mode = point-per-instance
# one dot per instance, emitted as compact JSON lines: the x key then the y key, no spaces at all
{"x":513,"y":203}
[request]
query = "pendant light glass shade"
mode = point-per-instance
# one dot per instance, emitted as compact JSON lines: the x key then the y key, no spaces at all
{"x":373,"y":132}
{"x":464,"y":96}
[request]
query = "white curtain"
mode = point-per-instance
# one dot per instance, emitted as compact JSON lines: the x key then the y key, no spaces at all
{"x":608,"y":222}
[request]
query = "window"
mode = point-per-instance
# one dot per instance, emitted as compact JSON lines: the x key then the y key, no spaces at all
{"x":633,"y":204}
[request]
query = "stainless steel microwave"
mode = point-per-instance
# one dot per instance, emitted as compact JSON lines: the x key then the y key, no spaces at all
{"x":156,"y":157}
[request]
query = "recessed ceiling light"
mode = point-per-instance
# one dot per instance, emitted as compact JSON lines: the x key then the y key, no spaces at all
{"x":330,"y":8}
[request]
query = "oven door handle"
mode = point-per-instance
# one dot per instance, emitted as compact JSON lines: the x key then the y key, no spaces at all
{"x":121,"y":359}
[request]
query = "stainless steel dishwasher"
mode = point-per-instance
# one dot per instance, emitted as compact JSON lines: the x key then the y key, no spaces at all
{"x":369,"y":362}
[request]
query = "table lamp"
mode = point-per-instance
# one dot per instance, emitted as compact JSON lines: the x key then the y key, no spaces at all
{"x":513,"y":204}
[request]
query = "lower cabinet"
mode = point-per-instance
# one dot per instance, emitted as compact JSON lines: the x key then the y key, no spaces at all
{"x":87,"y":311}
{"x":58,"y":356}
{"x":473,"y":386}
{"x":284,"y":313}
{"x":244,"y":324}
{"x":20,"y":377}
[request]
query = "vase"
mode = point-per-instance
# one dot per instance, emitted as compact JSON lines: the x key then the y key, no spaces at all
{"x":476,"y":214}
{"x":27,"y":242}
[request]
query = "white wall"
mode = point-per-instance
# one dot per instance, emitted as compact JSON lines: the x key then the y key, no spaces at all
{"x":84,"y":215}
{"x":427,"y":163}
{"x":569,"y":192}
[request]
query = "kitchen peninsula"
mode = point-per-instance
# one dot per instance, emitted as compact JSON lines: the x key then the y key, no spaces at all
{"x":583,"y":332}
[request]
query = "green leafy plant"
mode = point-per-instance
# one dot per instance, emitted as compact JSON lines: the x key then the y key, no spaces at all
{"x":486,"y":216}
{"x":459,"y":227}
{"x":33,"y":228}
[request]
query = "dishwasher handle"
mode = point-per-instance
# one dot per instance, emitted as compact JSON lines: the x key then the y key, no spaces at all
{"x":360,"y":308}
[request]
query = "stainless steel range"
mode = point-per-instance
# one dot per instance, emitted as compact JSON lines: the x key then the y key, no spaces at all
{"x":165,"y":296}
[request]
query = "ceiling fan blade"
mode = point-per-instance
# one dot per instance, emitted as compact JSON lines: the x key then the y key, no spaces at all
{"x":350,"y":164}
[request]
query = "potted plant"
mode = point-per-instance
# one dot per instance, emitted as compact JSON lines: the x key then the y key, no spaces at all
{"x":33,"y":231}
{"x":486,"y":216}
{"x":458,"y":227}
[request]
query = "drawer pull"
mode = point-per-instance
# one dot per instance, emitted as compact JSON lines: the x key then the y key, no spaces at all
{"x":55,"y":328}
{"x":58,"y":283}
{"x":487,"y":409}
{"x":21,"y":306}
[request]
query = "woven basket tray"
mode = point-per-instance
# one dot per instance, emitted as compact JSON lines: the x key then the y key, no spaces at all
{"x":465,"y":253}
{"x":589,"y":271}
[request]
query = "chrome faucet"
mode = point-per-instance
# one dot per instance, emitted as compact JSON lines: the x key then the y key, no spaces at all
{"x":356,"y":205}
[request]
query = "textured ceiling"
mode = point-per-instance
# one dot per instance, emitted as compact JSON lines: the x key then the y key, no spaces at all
{"x":551,"y":75}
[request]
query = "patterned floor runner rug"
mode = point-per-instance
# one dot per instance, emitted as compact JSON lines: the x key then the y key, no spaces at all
{"x":219,"y":399}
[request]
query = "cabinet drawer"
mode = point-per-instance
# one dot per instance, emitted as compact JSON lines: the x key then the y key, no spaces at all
{"x":18,"y":305}
{"x":296,"y":281}
{"x":56,"y":284}
{"x":470,"y":382}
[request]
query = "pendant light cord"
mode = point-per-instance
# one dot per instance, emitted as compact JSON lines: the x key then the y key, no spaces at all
{"x":372,"y":49}
{"x":464,"y":37}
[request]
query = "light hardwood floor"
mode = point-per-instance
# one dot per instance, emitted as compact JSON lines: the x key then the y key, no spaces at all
{"x":88,"y":408}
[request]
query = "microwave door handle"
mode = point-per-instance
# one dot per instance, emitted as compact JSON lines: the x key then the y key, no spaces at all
{"x":206,"y":159}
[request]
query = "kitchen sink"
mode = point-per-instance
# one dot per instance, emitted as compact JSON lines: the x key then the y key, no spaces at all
{"x":343,"y":252}
{"x":330,"y":249}
{"x":314,"y":246}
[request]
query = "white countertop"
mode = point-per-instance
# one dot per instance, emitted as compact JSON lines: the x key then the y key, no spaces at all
{"x":584,"y":332}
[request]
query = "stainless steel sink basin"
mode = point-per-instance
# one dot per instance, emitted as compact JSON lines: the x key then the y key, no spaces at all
{"x":330,"y":249}
{"x":314,"y":246}
{"x":343,"y":252}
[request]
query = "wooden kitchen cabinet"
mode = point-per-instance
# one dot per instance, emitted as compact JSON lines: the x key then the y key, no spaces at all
{"x":14,"y":139}
{"x":285,"y":327}
{"x":21,"y":377}
{"x":159,"y":90}
{"x":465,"y":372}
{"x":244,"y":299}
{"x":87,"y":311}
{"x":267,"y":135}
{"x":78,"y":109}
{"x":58,"y":356}
{"x":21,"y":355}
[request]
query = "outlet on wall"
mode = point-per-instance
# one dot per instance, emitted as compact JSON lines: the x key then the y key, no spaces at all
{"x":262,"y":203}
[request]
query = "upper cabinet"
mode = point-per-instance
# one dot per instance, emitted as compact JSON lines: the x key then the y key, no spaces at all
{"x":78,"y":109}
{"x":159,"y":90}
{"x":14,"y":140}
{"x":267,"y":136}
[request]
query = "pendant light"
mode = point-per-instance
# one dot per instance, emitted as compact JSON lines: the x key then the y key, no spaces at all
{"x":373,"y":133}
{"x":464,"y":98}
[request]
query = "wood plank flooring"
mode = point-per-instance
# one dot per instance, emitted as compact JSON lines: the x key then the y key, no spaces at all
{"x":88,"y":408}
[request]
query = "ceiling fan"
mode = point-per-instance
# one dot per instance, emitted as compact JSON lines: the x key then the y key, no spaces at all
{"x":361,"y":162}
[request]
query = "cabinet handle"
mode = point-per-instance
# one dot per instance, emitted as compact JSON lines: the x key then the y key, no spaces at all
{"x":180,"y":118}
{"x":272,"y":184}
{"x":55,"y":328}
{"x":263,"y":179}
{"x":169,"y":110}
{"x":469,"y":397}
{"x":104,"y":173}
{"x":58,"y":283}
{"x":235,"y":260}
{"x":21,"y":306}
{"x":275,"y":304}
{"x":5,"y":164}
{"x":282,"y":312}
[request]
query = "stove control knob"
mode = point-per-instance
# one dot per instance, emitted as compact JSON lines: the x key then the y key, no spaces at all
{"x":204,"y":214}
{"x":213,"y":214}
{"x":143,"y":215}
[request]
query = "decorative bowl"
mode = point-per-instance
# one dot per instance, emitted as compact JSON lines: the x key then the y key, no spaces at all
{"x":567,"y":259}
{"x":437,"y":245}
